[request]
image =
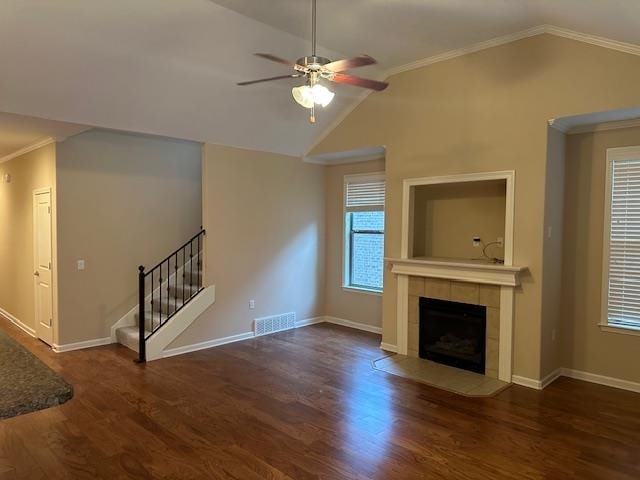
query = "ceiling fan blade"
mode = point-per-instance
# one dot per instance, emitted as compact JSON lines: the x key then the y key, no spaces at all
{"x":358,"y":81}
{"x":279,"y":77}
{"x":349,"y":63}
{"x":273,"y":58}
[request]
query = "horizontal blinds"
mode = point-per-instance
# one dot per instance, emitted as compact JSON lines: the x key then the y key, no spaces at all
{"x":364,"y":195}
{"x":624,"y":244}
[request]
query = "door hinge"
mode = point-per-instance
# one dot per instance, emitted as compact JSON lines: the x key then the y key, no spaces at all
{"x":49,"y":265}
{"x":49,"y":209}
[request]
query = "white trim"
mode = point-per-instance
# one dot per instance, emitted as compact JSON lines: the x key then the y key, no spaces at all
{"x":476,"y":47}
{"x":18,"y":323}
{"x":485,"y":273}
{"x":508,"y":175}
{"x":613,"y":154}
{"x":402,"y":313}
{"x":309,"y":321}
{"x":179,"y":322}
{"x":216,"y":342}
{"x":387,"y":347}
{"x":602,"y":380}
{"x":526,"y":382}
{"x":578,"y":375}
{"x":351,"y":324}
{"x":29,"y":148}
{"x":616,"y":45}
{"x":365,"y":291}
{"x":538,"y":384}
{"x":625,"y":330}
{"x":505,"y":343}
{"x":97,"y":342}
{"x":346,"y":179}
{"x":208,"y":344}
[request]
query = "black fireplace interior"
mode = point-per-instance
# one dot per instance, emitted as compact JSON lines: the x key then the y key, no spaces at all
{"x":453,"y":333}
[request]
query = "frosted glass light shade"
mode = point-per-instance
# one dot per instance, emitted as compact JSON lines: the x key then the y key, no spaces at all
{"x":308,"y":96}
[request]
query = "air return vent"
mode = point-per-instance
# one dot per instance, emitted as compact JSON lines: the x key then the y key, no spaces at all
{"x":274,"y":323}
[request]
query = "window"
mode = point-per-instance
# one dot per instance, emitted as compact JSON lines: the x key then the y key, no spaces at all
{"x":364,"y":232}
{"x":621,"y":279}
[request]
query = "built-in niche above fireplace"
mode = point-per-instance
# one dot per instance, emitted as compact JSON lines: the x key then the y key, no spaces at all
{"x":453,"y":333}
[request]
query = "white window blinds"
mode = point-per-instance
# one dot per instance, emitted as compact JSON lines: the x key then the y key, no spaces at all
{"x":364,"y":193}
{"x":623,"y":288}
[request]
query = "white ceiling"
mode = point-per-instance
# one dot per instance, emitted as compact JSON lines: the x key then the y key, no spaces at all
{"x":170,"y":67}
{"x":17,"y":132}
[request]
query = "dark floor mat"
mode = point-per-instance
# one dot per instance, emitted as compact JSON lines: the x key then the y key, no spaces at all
{"x":27,"y":384}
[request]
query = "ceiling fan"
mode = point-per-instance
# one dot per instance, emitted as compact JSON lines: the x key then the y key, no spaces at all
{"x":314,"y":69}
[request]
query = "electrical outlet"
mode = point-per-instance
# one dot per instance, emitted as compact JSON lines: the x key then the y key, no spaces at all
{"x":500,"y":242}
{"x":476,"y":240}
{"x":252,"y":304}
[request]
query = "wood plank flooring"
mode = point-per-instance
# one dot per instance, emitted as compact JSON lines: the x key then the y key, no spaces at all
{"x":306,"y":404}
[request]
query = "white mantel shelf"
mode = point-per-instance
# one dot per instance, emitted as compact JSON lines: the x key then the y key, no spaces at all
{"x":461,"y":270}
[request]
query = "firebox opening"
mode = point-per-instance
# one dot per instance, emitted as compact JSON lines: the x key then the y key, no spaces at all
{"x":453,"y":333}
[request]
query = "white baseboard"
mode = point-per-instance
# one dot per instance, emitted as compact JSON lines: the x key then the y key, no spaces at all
{"x":97,"y":342}
{"x":602,"y":380}
{"x":387,"y":347}
{"x":22,"y":326}
{"x":351,"y":324}
{"x":208,"y":344}
{"x":309,"y":321}
{"x":537,"y":384}
{"x":578,"y":375}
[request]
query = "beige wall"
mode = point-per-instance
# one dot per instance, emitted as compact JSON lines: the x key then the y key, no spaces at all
{"x":28,"y":172}
{"x":447,"y":217}
{"x":345,"y":304}
{"x":488,"y":111}
{"x":124,"y":200}
{"x":264,"y":214}
{"x":586,"y":347}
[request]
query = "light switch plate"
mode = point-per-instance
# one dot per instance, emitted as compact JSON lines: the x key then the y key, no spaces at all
{"x":80,"y":265}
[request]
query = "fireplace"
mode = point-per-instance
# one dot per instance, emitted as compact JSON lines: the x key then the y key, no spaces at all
{"x":453,"y":333}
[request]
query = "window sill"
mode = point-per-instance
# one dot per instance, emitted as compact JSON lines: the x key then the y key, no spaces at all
{"x":619,"y":329}
{"x":366,"y":291}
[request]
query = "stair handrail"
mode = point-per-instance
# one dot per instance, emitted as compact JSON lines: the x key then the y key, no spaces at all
{"x":179,"y":263}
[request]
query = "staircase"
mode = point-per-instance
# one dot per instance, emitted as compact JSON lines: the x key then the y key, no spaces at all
{"x":165,"y":292}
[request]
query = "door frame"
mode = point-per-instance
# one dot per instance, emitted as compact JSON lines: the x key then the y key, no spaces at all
{"x":54,"y":277}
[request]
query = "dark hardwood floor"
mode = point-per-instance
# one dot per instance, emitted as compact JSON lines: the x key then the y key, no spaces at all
{"x":306,"y":404}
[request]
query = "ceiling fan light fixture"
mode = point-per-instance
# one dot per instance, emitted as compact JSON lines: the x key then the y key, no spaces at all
{"x":321,"y":95}
{"x":309,"y":96}
{"x":303,"y":96}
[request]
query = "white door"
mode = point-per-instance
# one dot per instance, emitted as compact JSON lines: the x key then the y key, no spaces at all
{"x":42,"y":265}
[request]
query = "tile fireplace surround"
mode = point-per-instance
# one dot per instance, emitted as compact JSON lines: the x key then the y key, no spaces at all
{"x":478,"y":283}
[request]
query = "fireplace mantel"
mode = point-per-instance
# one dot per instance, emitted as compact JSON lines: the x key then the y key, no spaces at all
{"x":507,"y":277}
{"x":461,"y":270}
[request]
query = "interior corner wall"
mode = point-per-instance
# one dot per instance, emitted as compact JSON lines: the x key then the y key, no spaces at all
{"x":480,"y":112}
{"x":28,"y":172}
{"x":551,"y":324}
{"x":586,"y":347}
{"x":358,"y":307}
{"x":265,"y":219}
{"x":124,"y":200}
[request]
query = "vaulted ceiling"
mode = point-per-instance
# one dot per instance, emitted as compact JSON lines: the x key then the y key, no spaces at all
{"x":170,"y":67}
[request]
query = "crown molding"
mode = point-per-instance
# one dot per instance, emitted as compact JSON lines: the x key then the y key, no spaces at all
{"x":476,"y":47}
{"x":624,"y":47}
{"x":29,"y":148}
{"x":616,"y":45}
